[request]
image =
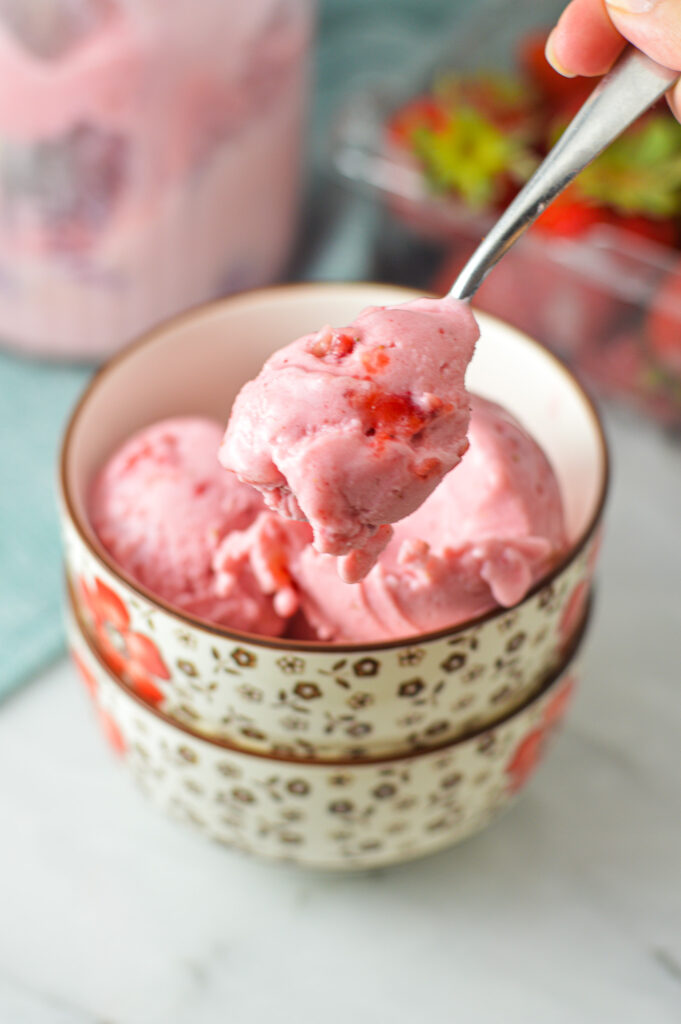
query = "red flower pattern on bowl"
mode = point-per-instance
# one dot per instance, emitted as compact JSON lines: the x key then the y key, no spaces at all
{"x":127,"y":653}
{"x":573,"y":613}
{"x":109,"y":727}
{"x":530,"y":750}
{"x":86,"y":676}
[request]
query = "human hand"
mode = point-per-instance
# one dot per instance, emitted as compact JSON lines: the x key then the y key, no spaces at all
{"x":591,"y":34}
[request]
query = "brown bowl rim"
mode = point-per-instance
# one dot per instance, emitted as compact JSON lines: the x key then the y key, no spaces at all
{"x":286,"y":643}
{"x":216,"y":741}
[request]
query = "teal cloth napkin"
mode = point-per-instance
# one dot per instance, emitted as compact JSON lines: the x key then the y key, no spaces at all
{"x":359,"y":43}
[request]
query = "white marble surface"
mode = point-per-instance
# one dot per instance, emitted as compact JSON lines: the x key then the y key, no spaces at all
{"x":568,"y":910}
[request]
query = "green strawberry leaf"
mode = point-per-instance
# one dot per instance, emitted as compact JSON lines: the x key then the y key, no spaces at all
{"x":640,"y":173}
{"x":470,"y":157}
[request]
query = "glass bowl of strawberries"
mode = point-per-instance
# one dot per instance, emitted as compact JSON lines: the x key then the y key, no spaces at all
{"x":598,"y":277}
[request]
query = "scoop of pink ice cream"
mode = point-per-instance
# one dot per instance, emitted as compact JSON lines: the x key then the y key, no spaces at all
{"x":491,"y":529}
{"x":162,"y":506}
{"x":352,"y":428}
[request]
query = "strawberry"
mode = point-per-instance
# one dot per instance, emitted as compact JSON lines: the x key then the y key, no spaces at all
{"x":640,"y":173}
{"x":423,"y":111}
{"x":663,"y":324}
{"x":471,"y":137}
{"x":557,"y":91}
{"x":504,"y":100}
{"x":388,"y":415}
{"x":635,"y":186}
{"x":663,"y":232}
{"x":569,"y":215}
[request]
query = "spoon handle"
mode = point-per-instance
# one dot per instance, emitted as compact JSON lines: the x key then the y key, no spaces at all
{"x":634,"y":84}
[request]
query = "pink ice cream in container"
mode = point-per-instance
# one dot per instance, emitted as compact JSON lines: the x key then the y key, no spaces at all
{"x":149,"y":161}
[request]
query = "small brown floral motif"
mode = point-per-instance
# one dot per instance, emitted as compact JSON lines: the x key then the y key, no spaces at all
{"x":452,"y":780}
{"x":186,"y":638}
{"x":406,"y":803}
{"x":251,"y":693}
{"x":473,"y":673}
{"x":384,"y":791}
{"x":298,"y":787}
{"x":188,"y":755}
{"x":410,"y":720}
{"x":368,"y":845}
{"x":437,"y":826}
{"x":251,"y":733}
{"x":243,"y":658}
{"x":292,"y":814}
{"x":291,"y":665}
{"x":486,"y":743}
{"x":221,"y":663}
{"x":357,"y":729}
{"x":339,"y":780}
{"x":411,"y":688}
{"x":454,"y":662}
{"x":228,"y":770}
{"x":412,"y":656}
{"x":341,"y":807}
{"x":360,"y":700}
{"x":244,"y":796}
{"x":293,"y":724}
{"x":500,"y":695}
{"x":546,"y":597}
{"x":436,"y":729}
{"x":188,"y":667}
{"x":307,"y":691}
{"x":540,"y":637}
{"x":508,"y":622}
{"x":515,"y":642}
{"x":366,"y":667}
{"x":188,"y":712}
{"x":290,"y":838}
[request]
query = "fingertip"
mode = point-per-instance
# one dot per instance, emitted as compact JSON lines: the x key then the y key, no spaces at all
{"x":674,"y":101}
{"x":552,"y":58}
{"x":585,"y":41}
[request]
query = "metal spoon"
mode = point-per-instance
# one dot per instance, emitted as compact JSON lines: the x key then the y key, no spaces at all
{"x":634,"y":84}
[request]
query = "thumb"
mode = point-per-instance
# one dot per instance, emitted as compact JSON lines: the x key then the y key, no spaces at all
{"x":654,"y":26}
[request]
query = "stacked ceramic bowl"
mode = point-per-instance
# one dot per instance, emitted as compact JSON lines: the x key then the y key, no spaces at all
{"x":347,"y":755}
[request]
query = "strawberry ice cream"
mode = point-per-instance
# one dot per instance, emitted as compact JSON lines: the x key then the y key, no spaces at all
{"x":351,"y":429}
{"x":491,"y":529}
{"x":162,"y":506}
{"x":204,"y":541}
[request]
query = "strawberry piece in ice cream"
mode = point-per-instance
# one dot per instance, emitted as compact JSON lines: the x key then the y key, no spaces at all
{"x":162,"y":506}
{"x":488,"y":532}
{"x":351,"y":429}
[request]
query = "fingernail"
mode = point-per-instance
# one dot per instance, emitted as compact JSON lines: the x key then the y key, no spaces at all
{"x":633,"y":6}
{"x":553,"y":60}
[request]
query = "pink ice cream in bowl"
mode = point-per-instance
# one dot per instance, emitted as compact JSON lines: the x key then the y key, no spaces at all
{"x":224,"y":616}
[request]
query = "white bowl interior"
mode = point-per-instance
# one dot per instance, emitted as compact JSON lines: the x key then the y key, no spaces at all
{"x":198,"y":364}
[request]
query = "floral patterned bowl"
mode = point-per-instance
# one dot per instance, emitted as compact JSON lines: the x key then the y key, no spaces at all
{"x":304,"y":698}
{"x":332,"y":815}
